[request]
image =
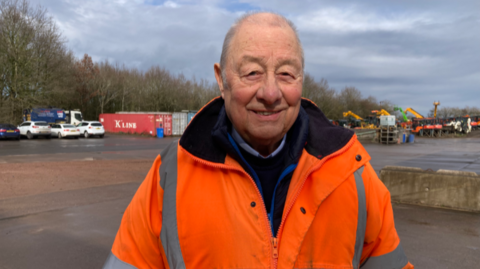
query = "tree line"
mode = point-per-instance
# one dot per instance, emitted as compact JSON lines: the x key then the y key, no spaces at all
{"x":446,"y":112}
{"x":333,"y":103}
{"x":38,"y":70}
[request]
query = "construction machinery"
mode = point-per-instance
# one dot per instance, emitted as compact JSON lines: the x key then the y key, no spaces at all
{"x":387,"y":131}
{"x":465,"y":124}
{"x":415,"y":113}
{"x":351,"y":114}
{"x":381,"y":112}
{"x":435,"y":112}
{"x":433,"y":127}
{"x":334,"y":122}
{"x":474,"y":122}
{"x":343,"y":123}
{"x":418,"y":125}
{"x":373,"y":120}
{"x":477,"y":119}
{"x":449,"y":125}
{"x":406,"y":124}
{"x":397,"y":108}
{"x":351,"y":120}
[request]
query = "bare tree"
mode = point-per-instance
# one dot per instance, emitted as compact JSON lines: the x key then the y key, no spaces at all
{"x":107,"y":83}
{"x":350,"y":98}
{"x":322,"y":95}
{"x":32,"y":57}
{"x":85,"y":73}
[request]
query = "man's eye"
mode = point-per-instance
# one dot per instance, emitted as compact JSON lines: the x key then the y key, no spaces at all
{"x":253,"y":73}
{"x":286,"y":75}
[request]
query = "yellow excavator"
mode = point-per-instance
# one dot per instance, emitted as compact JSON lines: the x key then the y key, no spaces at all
{"x":350,"y":113}
{"x":415,"y":113}
{"x":381,"y":112}
{"x":363,"y":124}
{"x":351,"y":120}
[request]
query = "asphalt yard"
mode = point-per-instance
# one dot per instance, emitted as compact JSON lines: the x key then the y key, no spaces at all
{"x":61,"y":200}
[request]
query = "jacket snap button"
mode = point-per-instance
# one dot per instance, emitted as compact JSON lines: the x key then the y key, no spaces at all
{"x":303,"y":210}
{"x":358,"y":158}
{"x":253,"y":204}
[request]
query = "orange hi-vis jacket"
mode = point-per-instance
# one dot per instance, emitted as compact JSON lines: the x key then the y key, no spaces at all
{"x":195,"y":210}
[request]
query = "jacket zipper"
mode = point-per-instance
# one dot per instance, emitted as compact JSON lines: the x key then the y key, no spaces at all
{"x":275,"y":240}
{"x":280,"y":229}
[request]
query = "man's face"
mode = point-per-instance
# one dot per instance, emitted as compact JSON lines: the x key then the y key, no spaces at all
{"x":264,"y":77}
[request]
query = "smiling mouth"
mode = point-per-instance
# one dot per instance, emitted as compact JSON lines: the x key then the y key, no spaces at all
{"x":266,"y":113}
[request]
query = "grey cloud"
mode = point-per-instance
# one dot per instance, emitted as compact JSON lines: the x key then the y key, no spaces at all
{"x":410,"y":52}
{"x":435,"y":59}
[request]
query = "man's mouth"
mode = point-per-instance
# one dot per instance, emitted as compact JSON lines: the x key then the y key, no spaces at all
{"x":266,"y":113}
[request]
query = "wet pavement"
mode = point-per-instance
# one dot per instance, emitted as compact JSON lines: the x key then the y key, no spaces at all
{"x":426,"y":153}
{"x":450,"y":154}
{"x":75,"y":231}
{"x":438,"y":238}
{"x":76,"y":228}
{"x":112,"y":146}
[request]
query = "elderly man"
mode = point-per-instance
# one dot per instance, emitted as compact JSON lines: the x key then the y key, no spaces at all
{"x":260,"y":178}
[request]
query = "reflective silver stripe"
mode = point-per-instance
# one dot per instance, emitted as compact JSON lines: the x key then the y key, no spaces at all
{"x":169,"y":232}
{"x":393,"y":260}
{"x":115,"y":263}
{"x":167,"y":157}
{"x":361,"y":218}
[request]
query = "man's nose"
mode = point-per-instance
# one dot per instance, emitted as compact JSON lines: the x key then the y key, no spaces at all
{"x":270,"y":93}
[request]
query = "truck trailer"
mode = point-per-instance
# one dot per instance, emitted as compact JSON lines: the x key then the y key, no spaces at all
{"x":53,"y":115}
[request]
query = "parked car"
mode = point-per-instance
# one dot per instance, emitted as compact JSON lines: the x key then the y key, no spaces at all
{"x":91,"y":128}
{"x":65,"y":130}
{"x":9,"y":131}
{"x":32,"y":129}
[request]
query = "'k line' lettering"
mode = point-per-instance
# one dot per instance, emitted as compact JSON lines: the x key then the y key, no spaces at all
{"x":128,"y":125}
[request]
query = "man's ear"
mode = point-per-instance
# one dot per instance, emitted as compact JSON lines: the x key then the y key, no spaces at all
{"x":219,"y":78}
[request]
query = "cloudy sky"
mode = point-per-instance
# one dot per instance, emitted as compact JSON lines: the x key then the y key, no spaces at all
{"x":411,"y":52}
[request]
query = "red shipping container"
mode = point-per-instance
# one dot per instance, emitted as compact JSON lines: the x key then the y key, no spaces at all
{"x":129,"y":123}
{"x":164,"y":120}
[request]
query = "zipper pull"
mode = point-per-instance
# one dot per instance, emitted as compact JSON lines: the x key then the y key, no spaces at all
{"x":275,"y":247}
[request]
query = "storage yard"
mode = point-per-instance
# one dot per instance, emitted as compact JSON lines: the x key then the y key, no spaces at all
{"x":93,"y":92}
{"x":390,"y":128}
{"x":63,"y":200}
{"x":395,"y":127}
{"x":59,"y":195}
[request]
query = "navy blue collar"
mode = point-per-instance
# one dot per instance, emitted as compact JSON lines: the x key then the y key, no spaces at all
{"x":295,"y":141}
{"x":313,"y":131}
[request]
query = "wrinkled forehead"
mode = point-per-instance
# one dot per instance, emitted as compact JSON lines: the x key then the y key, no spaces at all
{"x":258,"y":35}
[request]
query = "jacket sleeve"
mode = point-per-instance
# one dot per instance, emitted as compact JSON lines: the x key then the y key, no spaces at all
{"x":382,"y":248}
{"x":137,"y":244}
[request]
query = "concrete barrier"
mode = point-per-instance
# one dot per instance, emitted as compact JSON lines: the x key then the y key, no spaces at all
{"x":365,"y":134}
{"x":445,"y":188}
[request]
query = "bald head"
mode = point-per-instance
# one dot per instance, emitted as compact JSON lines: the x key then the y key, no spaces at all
{"x":260,"y":78}
{"x":260,"y":19}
